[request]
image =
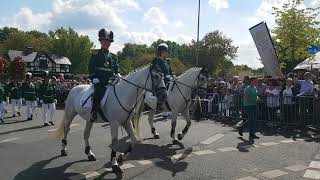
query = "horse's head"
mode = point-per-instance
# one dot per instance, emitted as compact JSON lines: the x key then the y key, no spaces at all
{"x":156,"y":82}
{"x":203,"y":78}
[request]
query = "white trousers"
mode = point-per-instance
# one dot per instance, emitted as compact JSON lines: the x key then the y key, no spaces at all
{"x":1,"y":109}
{"x":30,"y":107}
{"x":16,"y":105}
{"x":6,"y":103}
{"x":48,"y":112}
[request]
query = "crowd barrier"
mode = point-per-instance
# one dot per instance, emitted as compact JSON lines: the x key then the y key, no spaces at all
{"x":275,"y":110}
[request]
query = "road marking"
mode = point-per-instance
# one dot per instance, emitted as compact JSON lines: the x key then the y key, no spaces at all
{"x":212,"y":139}
{"x":145,"y":162}
{"x":248,"y":178}
{"x":9,"y":140}
{"x":180,"y":156}
{"x":315,"y":164}
{"x":269,"y":144}
{"x":296,"y":168}
{"x":205,"y":152}
{"x":312,"y":174}
{"x":72,"y":125}
{"x":227,"y":149}
{"x":126,"y":166}
{"x":273,"y":173}
{"x":287,"y":141}
{"x":92,"y":174}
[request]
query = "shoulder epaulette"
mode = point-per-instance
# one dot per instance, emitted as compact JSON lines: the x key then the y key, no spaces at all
{"x":94,"y":51}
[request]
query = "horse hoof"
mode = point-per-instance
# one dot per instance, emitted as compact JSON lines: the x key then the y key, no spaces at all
{"x":121,"y":158}
{"x":175,"y":141}
{"x":64,"y":153}
{"x":92,"y":158}
{"x":116,"y":169}
{"x":156,"y":136}
{"x":180,"y":136}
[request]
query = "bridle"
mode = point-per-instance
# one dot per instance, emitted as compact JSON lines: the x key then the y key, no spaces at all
{"x":193,"y":88}
{"x":138,"y":99}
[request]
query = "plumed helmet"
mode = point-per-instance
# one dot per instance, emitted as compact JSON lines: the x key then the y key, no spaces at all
{"x":28,"y":75}
{"x":105,"y":35}
{"x":163,"y":47}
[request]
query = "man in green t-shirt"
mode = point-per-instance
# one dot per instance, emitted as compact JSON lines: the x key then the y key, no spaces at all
{"x":250,"y":99}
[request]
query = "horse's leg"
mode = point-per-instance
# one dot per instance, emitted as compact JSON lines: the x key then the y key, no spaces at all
{"x":186,"y":116}
{"x":67,"y":121}
{"x":129,"y":128}
{"x":173,"y":126}
{"x":150,"y":119}
{"x":114,"y":127}
{"x":86,"y":135}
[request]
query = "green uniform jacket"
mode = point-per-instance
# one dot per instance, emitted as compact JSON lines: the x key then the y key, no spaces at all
{"x":2,"y":93}
{"x":47,"y":93}
{"x":164,"y":66}
{"x":103,"y":66}
{"x":15,"y":91}
{"x":29,"y":91}
{"x":7,"y":89}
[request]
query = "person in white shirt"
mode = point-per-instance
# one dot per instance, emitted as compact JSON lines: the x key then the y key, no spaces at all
{"x":289,"y":105}
{"x":273,"y":99}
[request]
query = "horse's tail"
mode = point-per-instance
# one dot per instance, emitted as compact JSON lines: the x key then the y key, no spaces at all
{"x":136,"y":118}
{"x":59,"y":133}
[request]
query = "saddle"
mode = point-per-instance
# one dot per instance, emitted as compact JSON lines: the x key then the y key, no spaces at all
{"x":87,"y":94}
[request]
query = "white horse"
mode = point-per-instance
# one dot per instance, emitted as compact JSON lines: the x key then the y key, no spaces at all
{"x":118,"y":109}
{"x":179,"y":99}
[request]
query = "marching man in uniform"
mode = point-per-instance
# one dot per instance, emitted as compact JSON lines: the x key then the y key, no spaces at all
{"x":16,"y":97}
{"x":102,"y":68}
{"x":48,"y":99}
{"x":29,"y":94}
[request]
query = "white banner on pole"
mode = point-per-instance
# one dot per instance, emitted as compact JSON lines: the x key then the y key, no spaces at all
{"x":262,"y":39}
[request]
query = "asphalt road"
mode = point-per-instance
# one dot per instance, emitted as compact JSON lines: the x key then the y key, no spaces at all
{"x":210,"y":150}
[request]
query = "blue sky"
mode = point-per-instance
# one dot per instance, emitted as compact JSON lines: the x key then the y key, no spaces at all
{"x":143,"y":21}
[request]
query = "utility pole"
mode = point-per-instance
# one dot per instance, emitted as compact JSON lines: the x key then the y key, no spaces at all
{"x":197,"y":57}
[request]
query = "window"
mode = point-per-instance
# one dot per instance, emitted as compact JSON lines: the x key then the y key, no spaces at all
{"x":43,"y":62}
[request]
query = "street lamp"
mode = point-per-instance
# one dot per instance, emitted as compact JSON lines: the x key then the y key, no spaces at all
{"x":197,"y":57}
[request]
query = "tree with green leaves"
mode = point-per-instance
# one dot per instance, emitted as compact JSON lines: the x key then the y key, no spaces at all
{"x":215,"y":49}
{"x":296,"y":31}
{"x":68,"y":43}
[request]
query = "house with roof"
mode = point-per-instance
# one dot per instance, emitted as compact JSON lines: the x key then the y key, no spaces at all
{"x":37,"y":62}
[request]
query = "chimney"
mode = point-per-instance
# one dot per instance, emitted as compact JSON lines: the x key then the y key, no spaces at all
{"x":27,"y":51}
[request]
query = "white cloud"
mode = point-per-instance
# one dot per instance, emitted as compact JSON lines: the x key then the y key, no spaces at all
{"x":27,"y":20}
{"x":315,"y":3}
{"x":179,"y":24}
{"x":248,"y":54}
{"x":219,"y":4}
{"x":155,"y":16}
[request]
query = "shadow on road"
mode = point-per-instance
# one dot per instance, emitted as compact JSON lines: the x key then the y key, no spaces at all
{"x":38,"y":171}
{"x":23,"y":129}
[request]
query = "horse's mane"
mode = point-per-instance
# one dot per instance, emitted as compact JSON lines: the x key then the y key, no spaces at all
{"x":138,"y":69}
{"x":189,"y":70}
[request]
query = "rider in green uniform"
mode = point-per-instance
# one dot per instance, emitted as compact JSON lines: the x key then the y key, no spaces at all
{"x":103,"y":67}
{"x":163,"y":62}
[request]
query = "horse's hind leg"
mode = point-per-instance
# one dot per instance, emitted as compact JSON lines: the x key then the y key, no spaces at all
{"x":150,"y":119}
{"x":67,"y":121}
{"x":186,"y":116}
{"x":86,"y":135}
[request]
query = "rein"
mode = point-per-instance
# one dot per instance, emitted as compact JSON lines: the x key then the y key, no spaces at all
{"x":187,"y":100}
